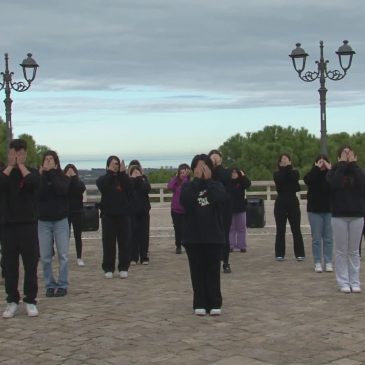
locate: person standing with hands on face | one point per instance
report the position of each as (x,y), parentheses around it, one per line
(319,213)
(75,199)
(223,175)
(237,190)
(117,196)
(286,207)
(177,210)
(53,223)
(18,186)
(141,215)
(203,235)
(347,182)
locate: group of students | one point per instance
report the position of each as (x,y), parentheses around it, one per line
(37,209)
(125,216)
(336,208)
(208,213)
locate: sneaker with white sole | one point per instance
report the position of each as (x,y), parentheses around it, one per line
(345,289)
(329,267)
(123,274)
(356,289)
(200,312)
(80,262)
(32,310)
(215,312)
(108,275)
(318,267)
(10,310)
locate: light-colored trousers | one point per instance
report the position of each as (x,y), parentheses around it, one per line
(347,233)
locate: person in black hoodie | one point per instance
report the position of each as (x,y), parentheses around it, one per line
(141,216)
(18,187)
(204,235)
(319,213)
(53,225)
(286,207)
(237,191)
(347,183)
(117,196)
(75,200)
(223,175)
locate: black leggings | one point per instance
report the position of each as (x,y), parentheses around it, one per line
(76,220)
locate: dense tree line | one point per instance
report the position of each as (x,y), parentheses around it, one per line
(257,152)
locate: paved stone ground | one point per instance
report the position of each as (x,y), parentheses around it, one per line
(273,312)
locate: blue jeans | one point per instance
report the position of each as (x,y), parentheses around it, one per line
(321,229)
(50,232)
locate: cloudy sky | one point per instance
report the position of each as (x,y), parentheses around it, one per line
(164,77)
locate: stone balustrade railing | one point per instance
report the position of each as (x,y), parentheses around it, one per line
(160,193)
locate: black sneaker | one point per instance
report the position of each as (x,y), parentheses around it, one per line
(50,292)
(227,268)
(178,250)
(60,292)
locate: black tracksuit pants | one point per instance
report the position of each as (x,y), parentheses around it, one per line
(116,230)
(20,239)
(140,237)
(178,222)
(204,263)
(75,219)
(227,221)
(287,208)
(1,248)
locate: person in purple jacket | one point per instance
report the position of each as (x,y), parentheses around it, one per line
(237,191)
(177,210)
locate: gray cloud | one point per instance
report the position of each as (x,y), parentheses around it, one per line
(205,46)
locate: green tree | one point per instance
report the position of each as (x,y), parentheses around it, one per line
(34,152)
(257,152)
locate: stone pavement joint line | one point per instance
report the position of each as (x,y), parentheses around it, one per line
(274,313)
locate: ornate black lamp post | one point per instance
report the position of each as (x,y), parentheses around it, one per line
(8,84)
(345,54)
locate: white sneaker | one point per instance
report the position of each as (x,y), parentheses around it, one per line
(329,267)
(215,312)
(123,274)
(318,267)
(32,310)
(356,289)
(10,310)
(80,262)
(108,275)
(345,289)
(200,312)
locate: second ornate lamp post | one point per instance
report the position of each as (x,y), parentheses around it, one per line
(8,84)
(345,54)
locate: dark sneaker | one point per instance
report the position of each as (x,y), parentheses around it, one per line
(60,292)
(50,292)
(227,268)
(243,250)
(178,250)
